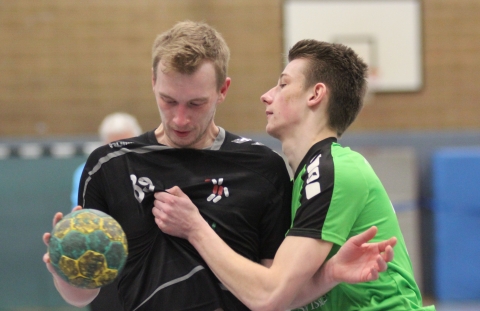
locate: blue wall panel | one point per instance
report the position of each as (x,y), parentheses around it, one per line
(456,210)
(31,191)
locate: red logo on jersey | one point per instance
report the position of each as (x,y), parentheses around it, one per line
(218,190)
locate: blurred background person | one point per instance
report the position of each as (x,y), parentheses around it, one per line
(115,126)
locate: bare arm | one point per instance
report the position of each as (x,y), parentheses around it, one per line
(287,283)
(356,261)
(258,287)
(75,296)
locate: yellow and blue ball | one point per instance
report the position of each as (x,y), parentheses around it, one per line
(88,248)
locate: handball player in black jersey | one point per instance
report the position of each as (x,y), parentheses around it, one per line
(241,187)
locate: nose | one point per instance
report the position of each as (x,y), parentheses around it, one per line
(181,117)
(267,97)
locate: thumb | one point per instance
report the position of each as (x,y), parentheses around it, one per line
(176,191)
(365,236)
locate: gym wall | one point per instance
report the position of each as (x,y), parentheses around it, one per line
(66,64)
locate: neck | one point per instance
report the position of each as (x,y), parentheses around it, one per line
(207,140)
(296,145)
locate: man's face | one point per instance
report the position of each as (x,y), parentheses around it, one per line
(284,102)
(187,105)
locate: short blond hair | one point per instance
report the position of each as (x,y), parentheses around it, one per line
(187,45)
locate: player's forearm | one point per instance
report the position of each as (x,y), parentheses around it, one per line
(252,283)
(75,296)
(320,284)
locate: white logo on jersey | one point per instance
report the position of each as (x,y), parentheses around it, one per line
(313,185)
(257,144)
(138,191)
(241,140)
(118,144)
(218,190)
(320,302)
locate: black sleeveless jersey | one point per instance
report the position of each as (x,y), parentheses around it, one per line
(241,187)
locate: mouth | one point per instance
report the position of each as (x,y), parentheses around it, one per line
(268,113)
(181,133)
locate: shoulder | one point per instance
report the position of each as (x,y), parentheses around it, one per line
(252,153)
(352,170)
(234,142)
(350,160)
(124,146)
(318,158)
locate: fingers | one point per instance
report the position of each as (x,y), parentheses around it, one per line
(159,214)
(46,238)
(76,208)
(365,236)
(46,258)
(168,193)
(158,221)
(158,195)
(373,274)
(157,210)
(176,191)
(163,195)
(388,254)
(58,216)
(382,246)
(392,241)
(375,270)
(381,264)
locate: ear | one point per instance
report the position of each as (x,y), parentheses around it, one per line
(224,89)
(153,79)
(317,95)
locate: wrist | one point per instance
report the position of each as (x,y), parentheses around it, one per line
(327,274)
(201,234)
(199,231)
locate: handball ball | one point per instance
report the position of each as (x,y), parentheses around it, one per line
(88,248)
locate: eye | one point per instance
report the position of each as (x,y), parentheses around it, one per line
(168,101)
(282,85)
(198,103)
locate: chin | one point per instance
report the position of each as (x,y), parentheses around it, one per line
(183,144)
(271,131)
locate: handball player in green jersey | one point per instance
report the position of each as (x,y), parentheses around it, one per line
(323,263)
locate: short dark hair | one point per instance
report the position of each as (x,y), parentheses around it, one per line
(342,71)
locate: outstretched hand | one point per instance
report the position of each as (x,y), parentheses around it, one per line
(360,261)
(75,296)
(46,238)
(175,213)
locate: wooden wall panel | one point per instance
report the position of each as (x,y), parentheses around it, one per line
(64,65)
(450,99)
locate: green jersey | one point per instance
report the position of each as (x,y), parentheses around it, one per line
(337,195)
